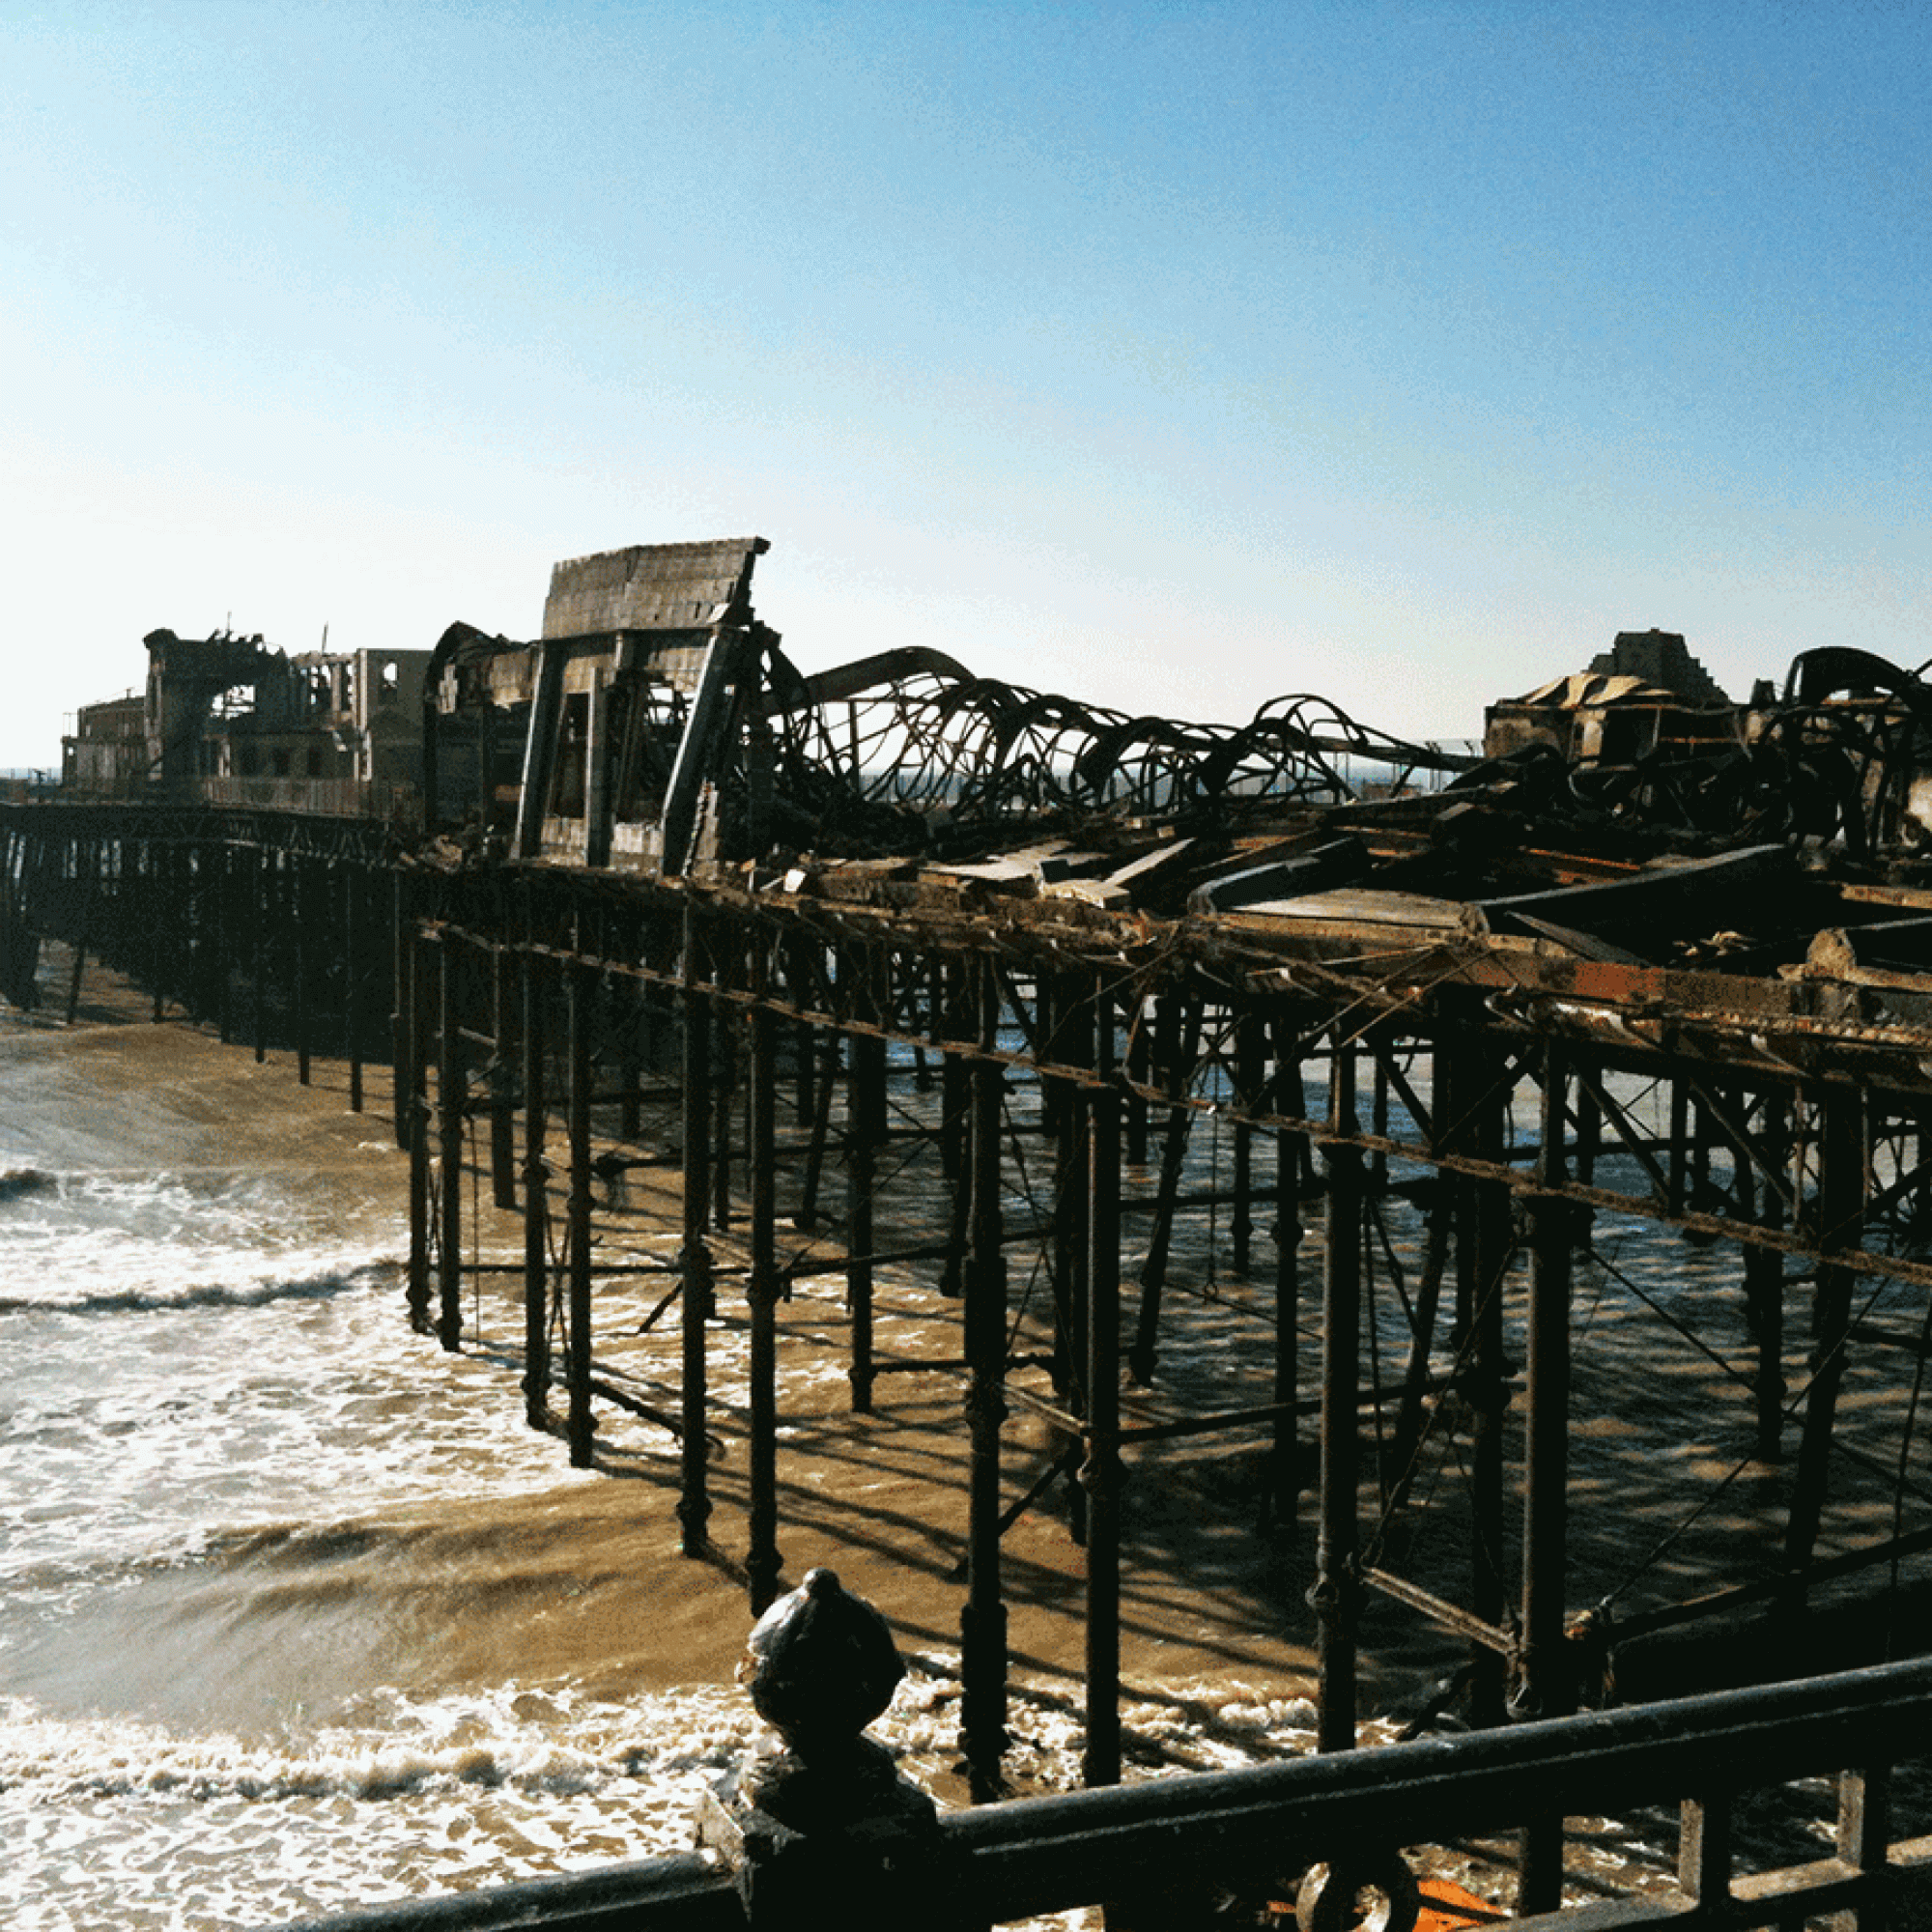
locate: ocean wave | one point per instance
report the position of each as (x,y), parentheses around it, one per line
(171,1296)
(507,1740)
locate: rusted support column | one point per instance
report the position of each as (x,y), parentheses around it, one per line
(1378,1126)
(88,858)
(1335,1593)
(1442,1213)
(1697,1196)
(1763,1281)
(693,1507)
(956,1145)
(1544,1689)
(581,991)
(355,881)
(15,980)
(412,1102)
(724,1021)
(1140,1062)
(1100,1473)
(449,1137)
(865,1117)
(805,1036)
(628,1004)
(1470,1119)
(1180,1042)
(402,1024)
(1469,1111)
(260,903)
(1488,1232)
(1045,1034)
(1679,1166)
(155,915)
(762,1562)
(502,1086)
(23,930)
(1248,1043)
(825,1088)
(1543,1692)
(956,1023)
(299,901)
(1838,1221)
(536,1204)
(1282,1502)
(1589,1131)
(983,1620)
(1072,1045)
(200,995)
(9,913)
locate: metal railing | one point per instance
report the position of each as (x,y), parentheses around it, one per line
(1259,1831)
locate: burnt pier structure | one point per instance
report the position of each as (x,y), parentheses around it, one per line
(1505,1110)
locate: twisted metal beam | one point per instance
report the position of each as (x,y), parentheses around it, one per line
(917,730)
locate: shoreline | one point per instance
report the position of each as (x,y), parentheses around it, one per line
(597,1595)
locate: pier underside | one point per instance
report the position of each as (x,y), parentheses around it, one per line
(1399,1238)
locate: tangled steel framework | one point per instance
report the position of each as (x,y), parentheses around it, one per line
(914,729)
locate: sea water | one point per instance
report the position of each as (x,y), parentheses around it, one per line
(211,1388)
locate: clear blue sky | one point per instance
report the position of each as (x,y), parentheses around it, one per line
(1175,355)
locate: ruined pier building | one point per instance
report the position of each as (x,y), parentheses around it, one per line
(1491,1098)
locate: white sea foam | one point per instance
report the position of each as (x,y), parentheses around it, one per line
(159,1831)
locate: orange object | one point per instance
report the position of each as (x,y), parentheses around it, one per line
(1447,1908)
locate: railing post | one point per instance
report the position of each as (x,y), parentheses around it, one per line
(824,1831)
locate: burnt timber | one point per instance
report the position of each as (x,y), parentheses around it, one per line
(1658,960)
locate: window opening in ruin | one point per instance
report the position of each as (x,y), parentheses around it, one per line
(647,724)
(566,798)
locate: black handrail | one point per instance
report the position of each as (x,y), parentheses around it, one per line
(1011,1860)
